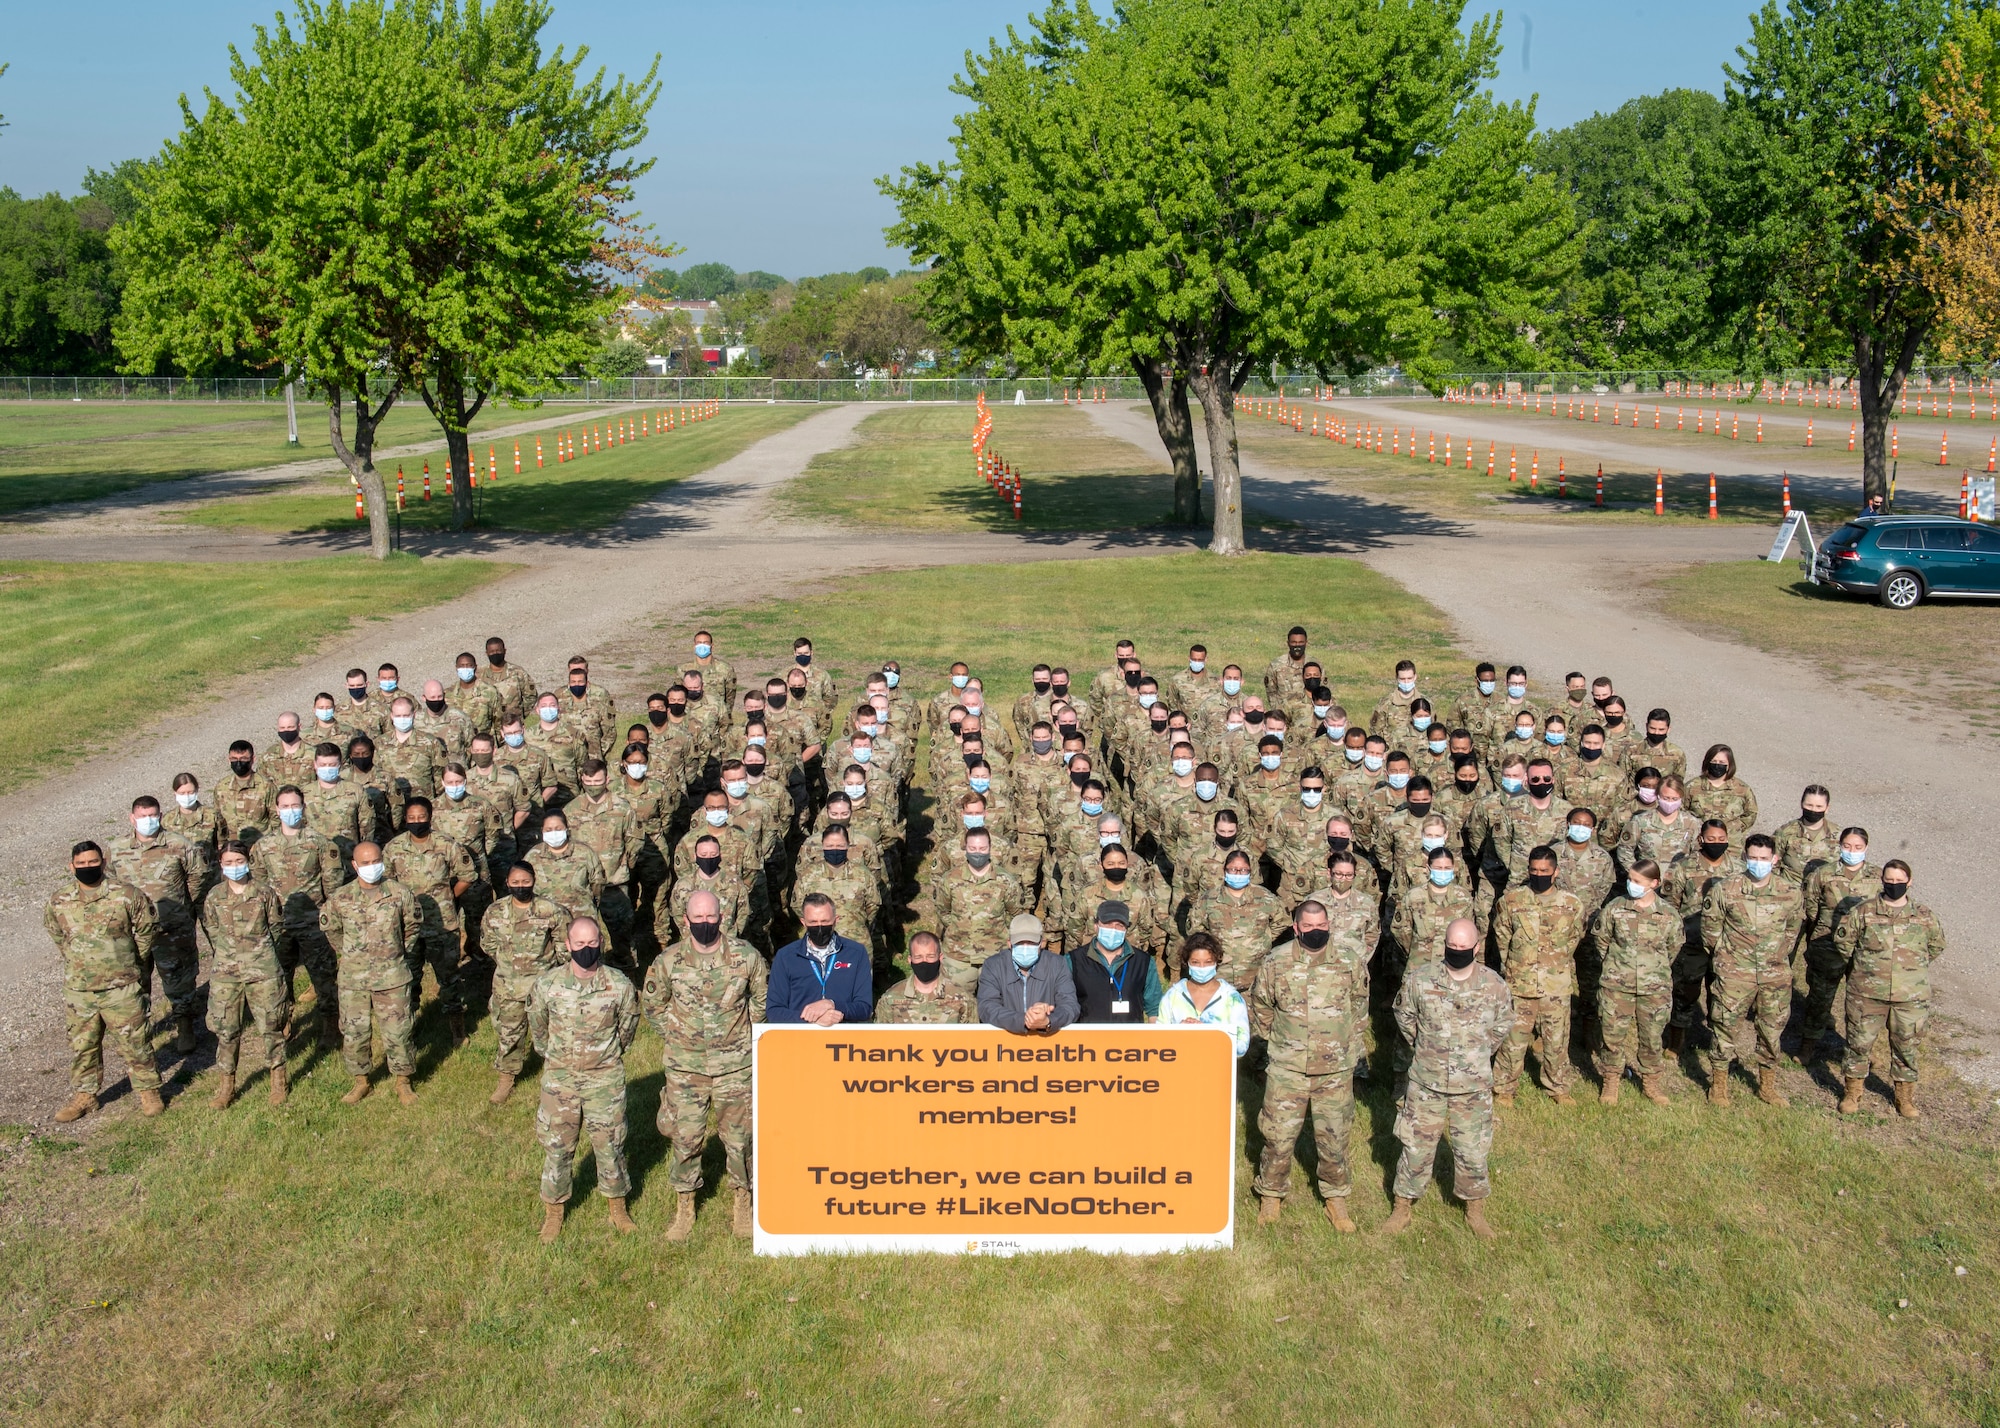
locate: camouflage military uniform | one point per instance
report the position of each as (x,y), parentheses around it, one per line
(582,1026)
(104,935)
(376,932)
(1147,897)
(1687,882)
(570,877)
(284,763)
(670,915)
(513,688)
(1648,835)
(246,940)
(1731,801)
(1889,951)
(1598,785)
(1305,1004)
(339,812)
(524,940)
(245,806)
(973,911)
(430,867)
(1537,936)
(1666,756)
(1832,890)
(169,871)
(1246,921)
(1423,916)
(1523,828)
(1635,989)
(904,1005)
(607,828)
(452,730)
(1748,931)
(1586,870)
(565,744)
(302,868)
(201,828)
(479,702)
(1803,845)
(1454,1028)
(413,763)
(470,823)
(704,1002)
(856,898)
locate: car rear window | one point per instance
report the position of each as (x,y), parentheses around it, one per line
(1899,538)
(1849,534)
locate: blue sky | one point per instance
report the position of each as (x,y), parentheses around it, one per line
(776,117)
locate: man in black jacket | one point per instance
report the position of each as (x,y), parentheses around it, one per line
(1113,981)
(1031,990)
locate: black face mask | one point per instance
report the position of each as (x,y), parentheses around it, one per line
(1061,691)
(1253,717)
(1614,721)
(498,661)
(1225,840)
(1458,958)
(1467,785)
(1296,651)
(1066,732)
(586,957)
(1590,755)
(1079,779)
(1314,939)
(1812,815)
(417,830)
(978,860)
(522,895)
(1159,726)
(694,696)
(1131,679)
(359,696)
(90,877)
(926,972)
(436,706)
(1541,790)
(798,690)
(240,767)
(1420,811)
(802,660)
(835,857)
(1892,891)
(1655,739)
(1718,769)
(1600,703)
(1339,845)
(753,772)
(1115,876)
(971,759)
(775,701)
(820,937)
(677,711)
(656,717)
(1041,686)
(709,866)
(288,736)
(1541,882)
(705,933)
(579,690)
(1714,851)
(362,762)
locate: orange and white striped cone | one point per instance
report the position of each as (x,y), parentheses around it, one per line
(1492,455)
(359,513)
(399,486)
(1659,492)
(1944,447)
(1788,493)
(1711,496)
(427,480)
(1809,433)
(1680,418)
(1992,455)
(1964,494)
(1513,465)
(1760,429)
(1735,425)
(517,458)
(1895,442)
(492,467)
(1850,436)
(1434,448)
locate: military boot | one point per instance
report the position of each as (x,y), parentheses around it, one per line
(1399,1218)
(1906,1100)
(552,1218)
(1503,1098)
(77,1107)
(358,1092)
(405,1092)
(183,1032)
(742,1222)
(1849,1103)
(1767,1087)
(1718,1086)
(1269,1208)
(683,1224)
(1337,1216)
(1651,1086)
(1607,1094)
(615,1209)
(1562,1097)
(1475,1219)
(150,1104)
(225,1092)
(281,1089)
(502,1089)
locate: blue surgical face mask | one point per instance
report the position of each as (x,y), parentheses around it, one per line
(556,837)
(1197,665)
(1320,711)
(1204,789)
(291,817)
(892,678)
(737,787)
(327,775)
(1852,858)
(973,820)
(1311,797)
(702,649)
(1420,722)
(466,676)
(403,722)
(1183,767)
(1107,840)
(325,716)
(1203,973)
(1517,691)
(1759,868)
(236,872)
(514,741)
(1147,701)
(1486,686)
(148,825)
(1405,686)
(1026,954)
(1111,938)
(1441,877)
(959,681)
(855,791)
(1438,746)
(715,817)
(1556,736)
(1510,784)
(454,791)
(1232,687)
(1634,889)
(1432,843)
(371,872)
(1237,880)
(980,785)
(1354,756)
(388,686)
(1092,808)
(1372,762)
(1524,731)
(1578,833)
(1399,780)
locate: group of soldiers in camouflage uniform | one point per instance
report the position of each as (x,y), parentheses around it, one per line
(1486,859)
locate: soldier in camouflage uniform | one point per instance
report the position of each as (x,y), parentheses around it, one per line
(1719,793)
(245,923)
(1536,929)
(857,899)
(1808,840)
(923,998)
(973,909)
(1689,878)
(1303,1003)
(1243,916)
(438,873)
(196,822)
(289,760)
(709,874)
(1121,878)
(336,808)
(376,931)
(590,709)
(513,689)
(1584,868)
(563,741)
(1455,1013)
(604,824)
(566,873)
(242,799)
(1535,821)
(470,822)
(704,995)
(583,1016)
(436,719)
(301,867)
(104,931)
(523,934)
(1638,935)
(1749,924)
(1889,943)
(1430,908)
(168,870)
(477,700)
(1832,890)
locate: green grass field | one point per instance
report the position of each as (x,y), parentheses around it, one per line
(585,494)
(913,468)
(97,649)
(1937,660)
(59,451)
(1628,490)
(322,1264)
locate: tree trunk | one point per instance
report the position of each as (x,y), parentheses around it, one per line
(445,396)
(360,461)
(1880,371)
(458,450)
(1218,410)
(1166,389)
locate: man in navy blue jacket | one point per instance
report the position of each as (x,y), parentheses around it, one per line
(823,978)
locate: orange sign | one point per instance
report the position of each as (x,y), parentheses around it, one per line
(966,1139)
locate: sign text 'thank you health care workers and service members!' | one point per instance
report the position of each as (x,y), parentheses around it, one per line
(969,1139)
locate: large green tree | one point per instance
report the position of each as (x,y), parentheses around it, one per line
(1200,190)
(405,196)
(58,285)
(1827,127)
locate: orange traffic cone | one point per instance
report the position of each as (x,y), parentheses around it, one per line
(1513,464)
(399,485)
(1992,454)
(1808,433)
(1895,442)
(1788,493)
(359,513)
(1944,446)
(1711,496)
(427,480)
(1964,495)
(1659,492)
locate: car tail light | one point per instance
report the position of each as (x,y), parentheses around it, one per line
(1849,553)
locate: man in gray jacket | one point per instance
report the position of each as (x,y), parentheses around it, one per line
(1031,990)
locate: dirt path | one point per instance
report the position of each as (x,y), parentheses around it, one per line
(1574,597)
